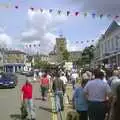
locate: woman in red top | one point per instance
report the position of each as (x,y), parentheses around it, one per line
(26,98)
(44,83)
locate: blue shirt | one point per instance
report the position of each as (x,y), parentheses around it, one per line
(80,101)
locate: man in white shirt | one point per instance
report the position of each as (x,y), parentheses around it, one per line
(74,77)
(63,78)
(97,91)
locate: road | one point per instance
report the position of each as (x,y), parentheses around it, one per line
(10,103)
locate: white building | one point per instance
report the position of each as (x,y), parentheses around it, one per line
(108,46)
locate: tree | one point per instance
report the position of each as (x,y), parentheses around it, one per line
(65,55)
(88,54)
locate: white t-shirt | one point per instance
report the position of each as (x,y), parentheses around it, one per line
(64,79)
(74,76)
(97,90)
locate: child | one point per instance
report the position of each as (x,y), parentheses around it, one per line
(80,101)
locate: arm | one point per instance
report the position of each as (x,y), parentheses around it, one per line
(86,91)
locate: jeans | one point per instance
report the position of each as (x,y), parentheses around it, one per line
(30,108)
(59,101)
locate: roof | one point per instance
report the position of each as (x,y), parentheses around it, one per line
(113,26)
(15,52)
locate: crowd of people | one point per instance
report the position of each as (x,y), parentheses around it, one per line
(96,95)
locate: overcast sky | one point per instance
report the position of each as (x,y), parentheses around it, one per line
(23,27)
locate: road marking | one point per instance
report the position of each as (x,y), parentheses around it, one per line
(53,115)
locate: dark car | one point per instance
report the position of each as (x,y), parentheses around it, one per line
(30,74)
(7,82)
(13,77)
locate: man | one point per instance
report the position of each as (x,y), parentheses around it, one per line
(74,77)
(26,98)
(115,81)
(97,91)
(59,90)
(64,79)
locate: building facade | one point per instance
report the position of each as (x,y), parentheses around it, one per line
(108,47)
(14,61)
(60,48)
(1,60)
(74,56)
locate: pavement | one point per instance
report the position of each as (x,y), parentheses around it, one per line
(10,103)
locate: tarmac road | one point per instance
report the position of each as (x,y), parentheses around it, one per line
(10,103)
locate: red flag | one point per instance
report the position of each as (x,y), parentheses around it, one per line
(76,13)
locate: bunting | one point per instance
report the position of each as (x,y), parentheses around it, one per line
(60,11)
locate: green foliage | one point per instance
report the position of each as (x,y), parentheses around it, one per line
(65,55)
(41,64)
(87,56)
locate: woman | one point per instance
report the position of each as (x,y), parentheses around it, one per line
(115,107)
(44,83)
(80,102)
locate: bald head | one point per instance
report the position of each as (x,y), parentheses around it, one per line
(115,73)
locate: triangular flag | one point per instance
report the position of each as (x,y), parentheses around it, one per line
(101,15)
(59,12)
(68,13)
(85,14)
(93,15)
(116,17)
(50,10)
(76,13)
(16,7)
(32,8)
(41,10)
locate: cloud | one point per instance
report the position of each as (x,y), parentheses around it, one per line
(40,30)
(5,40)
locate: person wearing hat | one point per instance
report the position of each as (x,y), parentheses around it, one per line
(26,99)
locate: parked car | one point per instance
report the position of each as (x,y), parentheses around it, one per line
(13,77)
(24,73)
(30,74)
(7,81)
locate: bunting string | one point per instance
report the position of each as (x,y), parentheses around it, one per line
(60,12)
(76,42)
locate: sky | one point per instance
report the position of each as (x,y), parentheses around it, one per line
(21,27)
